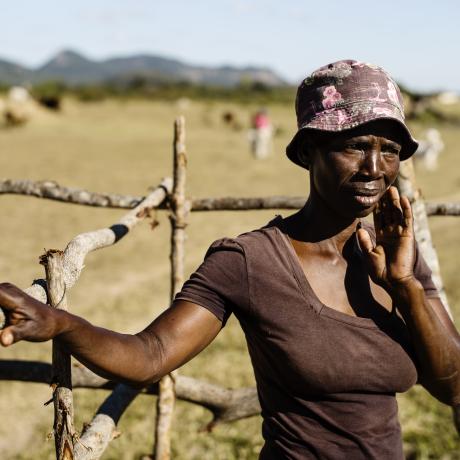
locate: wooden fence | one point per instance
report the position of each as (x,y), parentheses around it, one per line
(63,269)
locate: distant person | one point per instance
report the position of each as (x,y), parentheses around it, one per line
(339,314)
(18,106)
(429,150)
(260,135)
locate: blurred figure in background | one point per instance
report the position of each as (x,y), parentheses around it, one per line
(17,108)
(429,149)
(260,136)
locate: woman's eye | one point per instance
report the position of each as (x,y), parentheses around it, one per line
(355,146)
(390,150)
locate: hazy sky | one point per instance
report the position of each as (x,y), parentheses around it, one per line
(416,41)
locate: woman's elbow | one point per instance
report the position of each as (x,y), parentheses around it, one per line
(152,367)
(445,390)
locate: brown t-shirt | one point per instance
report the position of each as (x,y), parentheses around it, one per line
(326,380)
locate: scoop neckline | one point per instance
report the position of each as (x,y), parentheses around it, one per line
(310,295)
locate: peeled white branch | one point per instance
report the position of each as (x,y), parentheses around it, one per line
(63,427)
(81,245)
(442,209)
(407,186)
(97,435)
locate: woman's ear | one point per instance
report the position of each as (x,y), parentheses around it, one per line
(306,150)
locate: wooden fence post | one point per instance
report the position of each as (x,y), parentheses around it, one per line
(64,432)
(180,208)
(407,186)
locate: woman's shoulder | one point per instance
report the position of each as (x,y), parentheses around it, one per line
(250,241)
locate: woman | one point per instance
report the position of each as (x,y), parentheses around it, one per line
(338,315)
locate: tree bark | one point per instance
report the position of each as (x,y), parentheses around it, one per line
(178,218)
(53,191)
(63,427)
(442,209)
(407,186)
(97,434)
(246,204)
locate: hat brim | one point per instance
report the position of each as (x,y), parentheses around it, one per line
(408,148)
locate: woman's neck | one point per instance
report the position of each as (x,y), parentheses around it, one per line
(318,223)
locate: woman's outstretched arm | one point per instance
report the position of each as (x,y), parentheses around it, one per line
(390,262)
(172,339)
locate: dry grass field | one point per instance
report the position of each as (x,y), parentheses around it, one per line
(125,147)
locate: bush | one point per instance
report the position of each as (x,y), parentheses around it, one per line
(49,94)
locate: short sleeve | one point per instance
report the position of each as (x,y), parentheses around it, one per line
(220,284)
(423,273)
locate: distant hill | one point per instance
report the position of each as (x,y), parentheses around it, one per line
(11,72)
(73,68)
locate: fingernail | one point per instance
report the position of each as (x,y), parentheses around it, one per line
(7,339)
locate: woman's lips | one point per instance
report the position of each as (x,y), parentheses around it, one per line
(366,196)
(367,200)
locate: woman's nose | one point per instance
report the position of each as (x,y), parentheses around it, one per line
(371,163)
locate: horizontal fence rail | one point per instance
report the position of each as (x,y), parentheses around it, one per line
(225,404)
(53,191)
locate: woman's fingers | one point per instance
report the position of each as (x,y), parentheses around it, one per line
(364,240)
(6,337)
(393,212)
(389,214)
(395,206)
(26,318)
(10,335)
(378,217)
(382,213)
(374,256)
(408,220)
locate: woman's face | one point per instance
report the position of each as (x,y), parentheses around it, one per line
(351,171)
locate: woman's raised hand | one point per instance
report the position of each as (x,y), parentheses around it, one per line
(391,260)
(26,318)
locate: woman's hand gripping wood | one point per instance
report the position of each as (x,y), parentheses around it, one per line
(27,318)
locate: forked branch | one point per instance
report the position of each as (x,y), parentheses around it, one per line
(77,250)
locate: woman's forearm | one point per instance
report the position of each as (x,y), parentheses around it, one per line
(437,347)
(178,334)
(134,359)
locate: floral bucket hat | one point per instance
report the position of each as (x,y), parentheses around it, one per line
(344,95)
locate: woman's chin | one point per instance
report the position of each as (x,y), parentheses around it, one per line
(364,212)
(356,209)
